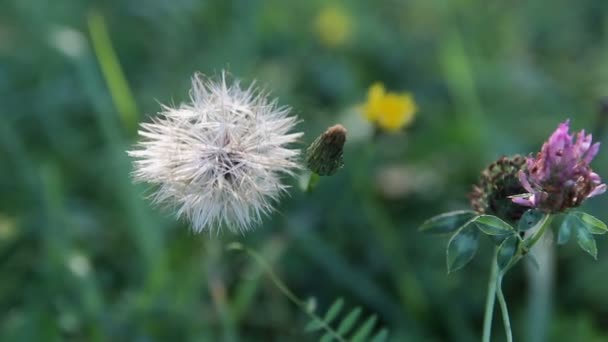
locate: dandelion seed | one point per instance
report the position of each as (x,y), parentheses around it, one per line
(560,176)
(220,158)
(389,111)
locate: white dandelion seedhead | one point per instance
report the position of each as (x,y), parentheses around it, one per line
(218,159)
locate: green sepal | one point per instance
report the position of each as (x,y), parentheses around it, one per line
(529,219)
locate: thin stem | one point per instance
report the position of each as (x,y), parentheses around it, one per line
(235,246)
(544,223)
(503,308)
(490,300)
(529,243)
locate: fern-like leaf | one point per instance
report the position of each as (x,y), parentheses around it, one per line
(348,322)
(381,336)
(340,329)
(363,332)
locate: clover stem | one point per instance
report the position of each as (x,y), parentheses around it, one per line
(503,308)
(543,224)
(490,300)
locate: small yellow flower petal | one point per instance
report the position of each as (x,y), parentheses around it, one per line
(376,92)
(389,111)
(373,107)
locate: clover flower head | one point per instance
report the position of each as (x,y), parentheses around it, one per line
(389,111)
(218,159)
(499,181)
(560,176)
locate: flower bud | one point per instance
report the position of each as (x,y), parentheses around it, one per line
(496,184)
(324,155)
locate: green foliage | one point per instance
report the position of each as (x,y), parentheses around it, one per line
(339,329)
(586,241)
(507,251)
(584,227)
(593,225)
(463,244)
(569,223)
(447,222)
(86,257)
(529,219)
(462,247)
(492,225)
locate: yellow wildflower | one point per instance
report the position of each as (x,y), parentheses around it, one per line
(388,111)
(333,25)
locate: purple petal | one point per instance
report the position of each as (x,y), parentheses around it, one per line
(530,162)
(592,152)
(595,178)
(585,140)
(523,179)
(526,202)
(560,139)
(600,189)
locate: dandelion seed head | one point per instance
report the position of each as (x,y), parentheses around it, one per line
(219,159)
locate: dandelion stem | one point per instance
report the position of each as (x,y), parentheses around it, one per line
(490,300)
(235,246)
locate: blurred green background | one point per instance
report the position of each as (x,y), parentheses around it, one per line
(85,257)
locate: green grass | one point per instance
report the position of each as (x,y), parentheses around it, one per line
(490,78)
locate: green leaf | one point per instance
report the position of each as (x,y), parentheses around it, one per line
(381,336)
(462,247)
(529,219)
(492,225)
(327,337)
(594,225)
(361,334)
(314,325)
(348,322)
(570,222)
(333,311)
(448,222)
(586,241)
(507,251)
